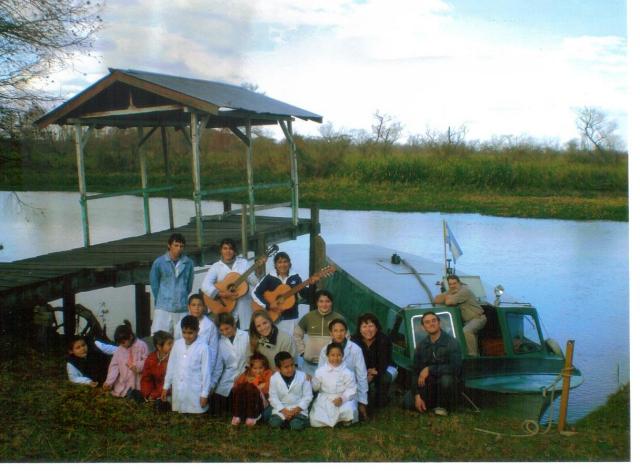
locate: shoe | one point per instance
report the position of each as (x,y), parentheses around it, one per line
(235,421)
(347,423)
(440,411)
(250,422)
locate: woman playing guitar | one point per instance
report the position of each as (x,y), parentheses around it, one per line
(281,275)
(230,263)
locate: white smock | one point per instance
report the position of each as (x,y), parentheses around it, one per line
(332,382)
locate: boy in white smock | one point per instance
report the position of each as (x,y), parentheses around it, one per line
(289,395)
(189,371)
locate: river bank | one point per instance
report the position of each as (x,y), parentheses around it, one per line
(45,419)
(350,194)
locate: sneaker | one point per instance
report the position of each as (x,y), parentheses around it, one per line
(440,411)
(251,422)
(235,421)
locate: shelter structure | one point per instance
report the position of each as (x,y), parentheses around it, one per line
(151,101)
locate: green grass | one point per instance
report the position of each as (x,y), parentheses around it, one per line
(44,418)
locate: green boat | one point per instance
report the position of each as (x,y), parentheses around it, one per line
(515,359)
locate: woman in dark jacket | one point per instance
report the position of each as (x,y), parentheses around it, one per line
(376,348)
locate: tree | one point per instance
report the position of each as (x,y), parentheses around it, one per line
(37,37)
(597,131)
(386,130)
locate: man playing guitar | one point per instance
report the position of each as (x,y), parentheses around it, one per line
(282,275)
(227,264)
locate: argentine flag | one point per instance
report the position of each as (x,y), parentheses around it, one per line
(451,241)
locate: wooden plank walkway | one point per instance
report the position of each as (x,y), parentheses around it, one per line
(36,280)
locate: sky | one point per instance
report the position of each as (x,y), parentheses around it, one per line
(517,68)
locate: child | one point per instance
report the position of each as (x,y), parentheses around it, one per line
(233,351)
(353,359)
(207,333)
(84,366)
(155,368)
(337,385)
(125,369)
(189,371)
(250,391)
(289,395)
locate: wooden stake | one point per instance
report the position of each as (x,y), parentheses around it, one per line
(566,383)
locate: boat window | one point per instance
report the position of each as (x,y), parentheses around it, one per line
(524,333)
(397,336)
(446,324)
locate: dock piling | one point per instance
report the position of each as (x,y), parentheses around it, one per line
(143,311)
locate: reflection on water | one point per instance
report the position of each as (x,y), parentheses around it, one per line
(575,273)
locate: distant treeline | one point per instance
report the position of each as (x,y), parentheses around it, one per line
(48,158)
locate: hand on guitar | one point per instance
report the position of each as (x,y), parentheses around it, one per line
(228,294)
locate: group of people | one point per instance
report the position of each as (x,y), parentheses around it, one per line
(288,373)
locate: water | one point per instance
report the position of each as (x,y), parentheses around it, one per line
(575,273)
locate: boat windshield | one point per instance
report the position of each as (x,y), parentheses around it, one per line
(524,333)
(446,324)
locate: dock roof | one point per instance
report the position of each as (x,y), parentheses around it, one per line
(130,98)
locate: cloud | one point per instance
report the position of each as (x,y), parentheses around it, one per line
(345,59)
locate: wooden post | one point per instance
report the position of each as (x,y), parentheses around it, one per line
(313,232)
(143,311)
(295,196)
(81,139)
(252,209)
(195,148)
(144,180)
(566,383)
(167,176)
(243,231)
(261,248)
(226,206)
(68,309)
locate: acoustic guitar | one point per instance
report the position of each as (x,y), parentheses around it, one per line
(234,283)
(284,297)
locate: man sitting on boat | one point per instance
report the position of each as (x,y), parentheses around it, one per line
(473,316)
(436,369)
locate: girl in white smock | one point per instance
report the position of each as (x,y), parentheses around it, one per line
(337,391)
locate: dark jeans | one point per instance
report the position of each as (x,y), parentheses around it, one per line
(378,395)
(437,392)
(299,422)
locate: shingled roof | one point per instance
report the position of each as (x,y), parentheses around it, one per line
(127,98)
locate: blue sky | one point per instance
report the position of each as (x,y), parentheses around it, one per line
(497,67)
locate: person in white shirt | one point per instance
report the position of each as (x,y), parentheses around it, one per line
(227,264)
(289,395)
(233,354)
(189,371)
(337,391)
(353,360)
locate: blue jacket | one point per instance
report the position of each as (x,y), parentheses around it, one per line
(171,287)
(271,282)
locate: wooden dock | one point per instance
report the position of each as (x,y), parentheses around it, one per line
(29,282)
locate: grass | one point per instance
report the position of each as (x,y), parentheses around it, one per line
(519,181)
(45,419)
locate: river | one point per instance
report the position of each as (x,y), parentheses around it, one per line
(574,272)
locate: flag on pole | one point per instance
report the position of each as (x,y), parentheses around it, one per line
(451,241)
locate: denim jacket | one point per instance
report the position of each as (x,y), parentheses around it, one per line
(171,285)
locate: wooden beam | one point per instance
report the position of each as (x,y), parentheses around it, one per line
(167,176)
(252,203)
(242,136)
(133,111)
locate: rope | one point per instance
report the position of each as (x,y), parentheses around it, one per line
(532,427)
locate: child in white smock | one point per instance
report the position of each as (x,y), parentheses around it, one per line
(337,391)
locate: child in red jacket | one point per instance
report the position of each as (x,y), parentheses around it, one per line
(155,367)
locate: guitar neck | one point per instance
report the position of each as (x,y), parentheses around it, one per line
(296,289)
(245,275)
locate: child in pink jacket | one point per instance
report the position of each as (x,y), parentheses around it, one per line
(125,369)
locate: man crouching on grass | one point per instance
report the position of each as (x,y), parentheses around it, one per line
(436,369)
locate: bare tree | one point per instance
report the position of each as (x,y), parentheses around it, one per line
(386,130)
(37,37)
(597,131)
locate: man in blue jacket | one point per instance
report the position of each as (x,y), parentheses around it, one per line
(171,279)
(436,369)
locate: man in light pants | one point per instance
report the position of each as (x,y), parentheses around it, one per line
(171,279)
(473,316)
